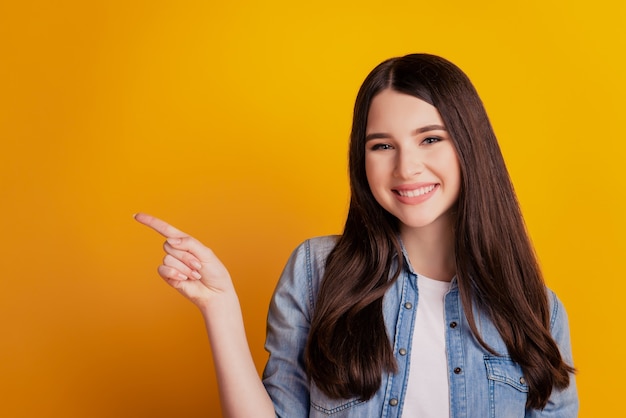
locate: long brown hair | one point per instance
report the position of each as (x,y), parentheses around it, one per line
(348,348)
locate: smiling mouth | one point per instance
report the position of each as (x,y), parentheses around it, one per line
(415,193)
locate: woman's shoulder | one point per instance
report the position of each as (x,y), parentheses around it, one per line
(308,261)
(309,257)
(315,250)
(558,314)
(322,245)
(301,276)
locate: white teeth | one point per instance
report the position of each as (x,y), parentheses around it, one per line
(416,192)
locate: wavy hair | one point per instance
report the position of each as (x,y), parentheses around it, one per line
(348,348)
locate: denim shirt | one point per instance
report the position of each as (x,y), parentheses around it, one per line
(482,385)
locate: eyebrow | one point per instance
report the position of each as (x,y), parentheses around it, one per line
(418,131)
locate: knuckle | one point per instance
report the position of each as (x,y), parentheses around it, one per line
(167,273)
(172,262)
(162,270)
(188,259)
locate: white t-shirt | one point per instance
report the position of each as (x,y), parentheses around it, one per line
(428,391)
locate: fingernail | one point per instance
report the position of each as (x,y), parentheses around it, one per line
(174,241)
(196,275)
(182,276)
(196,265)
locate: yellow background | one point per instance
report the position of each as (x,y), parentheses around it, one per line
(231,122)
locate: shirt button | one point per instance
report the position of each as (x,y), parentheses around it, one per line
(522,380)
(457,370)
(402,351)
(408,305)
(393,402)
(453,324)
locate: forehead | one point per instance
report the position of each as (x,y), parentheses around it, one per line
(393,111)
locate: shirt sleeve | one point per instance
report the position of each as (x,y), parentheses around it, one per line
(288,324)
(562,403)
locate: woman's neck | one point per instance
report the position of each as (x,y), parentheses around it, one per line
(431,250)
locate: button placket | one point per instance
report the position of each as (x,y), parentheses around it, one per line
(454,344)
(406,313)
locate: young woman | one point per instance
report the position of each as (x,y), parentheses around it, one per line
(430,304)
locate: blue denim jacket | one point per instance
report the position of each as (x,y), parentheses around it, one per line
(481,385)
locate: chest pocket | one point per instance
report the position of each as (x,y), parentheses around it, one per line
(323,406)
(508,389)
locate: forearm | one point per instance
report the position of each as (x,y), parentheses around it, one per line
(242,393)
(195,271)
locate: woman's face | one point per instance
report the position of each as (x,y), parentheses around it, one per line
(410,161)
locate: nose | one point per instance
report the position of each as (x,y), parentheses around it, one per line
(408,164)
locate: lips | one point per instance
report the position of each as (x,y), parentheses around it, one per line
(415,192)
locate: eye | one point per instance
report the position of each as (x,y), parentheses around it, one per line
(380,146)
(431,140)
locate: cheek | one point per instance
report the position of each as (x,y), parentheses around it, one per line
(455,177)
(370,171)
(449,165)
(375,179)
(457,170)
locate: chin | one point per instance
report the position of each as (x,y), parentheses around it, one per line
(417,223)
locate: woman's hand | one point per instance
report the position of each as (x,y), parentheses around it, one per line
(189,266)
(193,270)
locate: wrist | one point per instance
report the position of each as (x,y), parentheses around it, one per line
(218,304)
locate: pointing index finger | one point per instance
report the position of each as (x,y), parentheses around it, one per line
(160,226)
